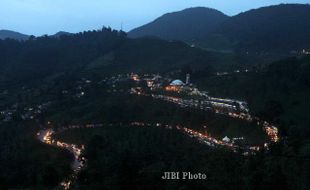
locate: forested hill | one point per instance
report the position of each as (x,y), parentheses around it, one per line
(101,52)
(187,25)
(279,29)
(278,92)
(45,56)
(283,27)
(61,33)
(12,35)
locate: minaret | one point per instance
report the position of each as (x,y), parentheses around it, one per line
(188,79)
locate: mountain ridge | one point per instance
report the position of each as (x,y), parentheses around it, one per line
(279,28)
(5,34)
(175,23)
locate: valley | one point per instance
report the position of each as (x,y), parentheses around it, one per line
(225,107)
(193,92)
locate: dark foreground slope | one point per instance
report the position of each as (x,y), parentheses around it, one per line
(137,157)
(26,163)
(120,157)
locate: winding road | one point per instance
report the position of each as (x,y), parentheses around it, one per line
(46,136)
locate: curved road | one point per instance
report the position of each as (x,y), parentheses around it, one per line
(46,135)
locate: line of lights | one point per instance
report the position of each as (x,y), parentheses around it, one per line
(46,136)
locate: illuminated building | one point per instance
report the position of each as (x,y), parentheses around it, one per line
(178,85)
(226,139)
(175,85)
(135,77)
(149,83)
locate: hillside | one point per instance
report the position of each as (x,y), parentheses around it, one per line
(12,35)
(281,28)
(279,93)
(94,52)
(61,33)
(187,25)
(79,79)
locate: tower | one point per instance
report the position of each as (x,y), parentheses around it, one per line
(188,79)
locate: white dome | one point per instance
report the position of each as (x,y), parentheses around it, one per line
(226,139)
(177,83)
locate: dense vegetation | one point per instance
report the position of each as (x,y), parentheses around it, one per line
(98,106)
(188,25)
(94,52)
(39,58)
(27,163)
(265,31)
(280,93)
(279,29)
(12,35)
(120,157)
(49,69)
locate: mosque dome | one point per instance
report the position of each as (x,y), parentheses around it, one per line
(176,83)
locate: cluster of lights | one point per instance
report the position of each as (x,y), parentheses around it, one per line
(135,77)
(45,136)
(243,116)
(270,130)
(272,133)
(173,88)
(205,138)
(218,106)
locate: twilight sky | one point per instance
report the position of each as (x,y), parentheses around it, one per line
(50,16)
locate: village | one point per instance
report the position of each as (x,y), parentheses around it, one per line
(175,91)
(184,94)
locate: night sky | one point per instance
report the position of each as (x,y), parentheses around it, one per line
(50,16)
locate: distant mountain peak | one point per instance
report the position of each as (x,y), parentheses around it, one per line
(61,33)
(4,34)
(278,28)
(182,25)
(284,27)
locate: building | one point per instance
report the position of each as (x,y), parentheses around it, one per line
(226,139)
(178,85)
(175,85)
(135,77)
(188,79)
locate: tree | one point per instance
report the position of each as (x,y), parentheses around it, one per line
(50,177)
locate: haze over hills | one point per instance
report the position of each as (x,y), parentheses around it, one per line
(12,35)
(189,24)
(281,28)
